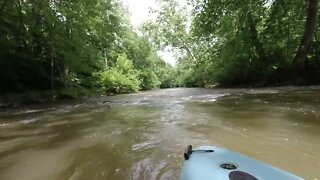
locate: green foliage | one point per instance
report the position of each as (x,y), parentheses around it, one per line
(168,77)
(67,43)
(75,92)
(252,42)
(66,37)
(122,78)
(89,44)
(170,30)
(149,79)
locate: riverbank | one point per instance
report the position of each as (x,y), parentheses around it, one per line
(11,100)
(30,98)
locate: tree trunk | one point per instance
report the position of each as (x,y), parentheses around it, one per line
(254,36)
(190,51)
(186,47)
(299,61)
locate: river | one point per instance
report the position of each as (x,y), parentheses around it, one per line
(143,136)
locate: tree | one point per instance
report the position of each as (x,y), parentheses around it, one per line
(252,42)
(171,28)
(301,56)
(67,43)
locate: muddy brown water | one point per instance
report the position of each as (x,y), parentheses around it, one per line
(142,136)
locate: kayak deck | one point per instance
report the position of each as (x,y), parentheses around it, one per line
(210,163)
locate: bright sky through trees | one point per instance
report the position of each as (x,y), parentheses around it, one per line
(139,13)
(139,10)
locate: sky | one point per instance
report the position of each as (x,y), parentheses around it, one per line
(139,10)
(139,13)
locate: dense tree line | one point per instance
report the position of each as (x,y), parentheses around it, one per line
(69,46)
(251,42)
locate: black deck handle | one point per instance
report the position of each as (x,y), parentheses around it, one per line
(187,152)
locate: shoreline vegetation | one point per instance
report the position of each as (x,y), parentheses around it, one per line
(55,50)
(30,98)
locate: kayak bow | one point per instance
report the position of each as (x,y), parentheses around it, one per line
(212,163)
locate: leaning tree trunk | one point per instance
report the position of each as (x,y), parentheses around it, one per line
(299,60)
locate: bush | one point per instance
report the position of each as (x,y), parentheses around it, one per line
(114,81)
(122,78)
(149,79)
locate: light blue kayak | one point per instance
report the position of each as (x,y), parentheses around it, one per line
(212,163)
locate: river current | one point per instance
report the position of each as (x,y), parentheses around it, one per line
(143,136)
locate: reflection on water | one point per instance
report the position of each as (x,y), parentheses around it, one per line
(142,136)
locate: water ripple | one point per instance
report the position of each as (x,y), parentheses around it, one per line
(152,142)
